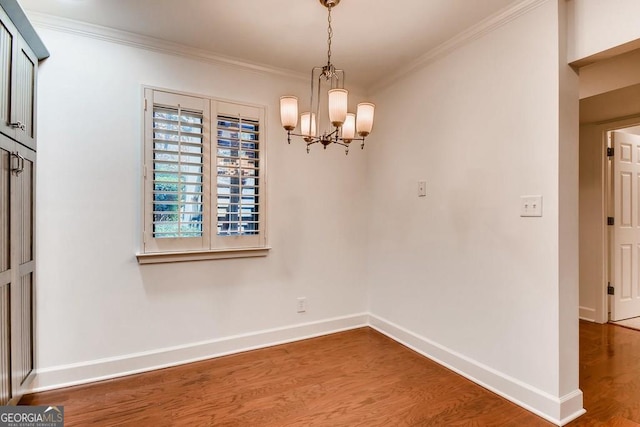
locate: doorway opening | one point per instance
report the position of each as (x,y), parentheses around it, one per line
(623,225)
(597,203)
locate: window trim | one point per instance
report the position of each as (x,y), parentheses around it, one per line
(169,257)
(214,246)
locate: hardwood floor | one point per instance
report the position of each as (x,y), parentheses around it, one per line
(353,378)
(609,375)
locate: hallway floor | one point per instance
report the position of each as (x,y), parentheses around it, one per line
(633,323)
(609,375)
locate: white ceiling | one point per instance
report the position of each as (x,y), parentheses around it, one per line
(372,38)
(635,130)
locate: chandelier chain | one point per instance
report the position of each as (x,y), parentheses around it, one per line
(329,37)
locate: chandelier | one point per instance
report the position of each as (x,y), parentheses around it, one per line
(344,125)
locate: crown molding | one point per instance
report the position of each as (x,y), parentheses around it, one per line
(482,28)
(98,32)
(126,38)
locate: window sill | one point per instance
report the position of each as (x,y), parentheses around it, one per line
(165,257)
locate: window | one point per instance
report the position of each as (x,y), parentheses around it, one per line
(204,183)
(238,182)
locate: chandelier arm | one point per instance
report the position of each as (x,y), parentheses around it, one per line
(332,134)
(317,139)
(336,140)
(304,136)
(350,139)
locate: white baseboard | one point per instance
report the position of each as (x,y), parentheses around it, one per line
(587,313)
(559,411)
(103,369)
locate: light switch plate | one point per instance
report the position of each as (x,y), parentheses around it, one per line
(530,205)
(422,188)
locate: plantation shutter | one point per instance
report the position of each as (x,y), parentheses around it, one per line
(176,173)
(238,169)
(204,178)
(239,176)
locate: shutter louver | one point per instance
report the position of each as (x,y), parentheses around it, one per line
(238,167)
(178,167)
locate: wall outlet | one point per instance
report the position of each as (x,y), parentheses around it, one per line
(530,205)
(302,304)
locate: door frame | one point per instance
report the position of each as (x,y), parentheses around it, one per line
(603,303)
(612,204)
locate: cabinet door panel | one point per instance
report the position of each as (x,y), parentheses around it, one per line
(5,347)
(5,179)
(18,68)
(5,270)
(22,289)
(7,70)
(25,92)
(24,202)
(22,329)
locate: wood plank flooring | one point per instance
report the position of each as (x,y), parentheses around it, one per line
(609,375)
(354,378)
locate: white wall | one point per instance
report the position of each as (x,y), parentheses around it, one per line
(466,278)
(458,275)
(601,29)
(95,303)
(593,214)
(610,74)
